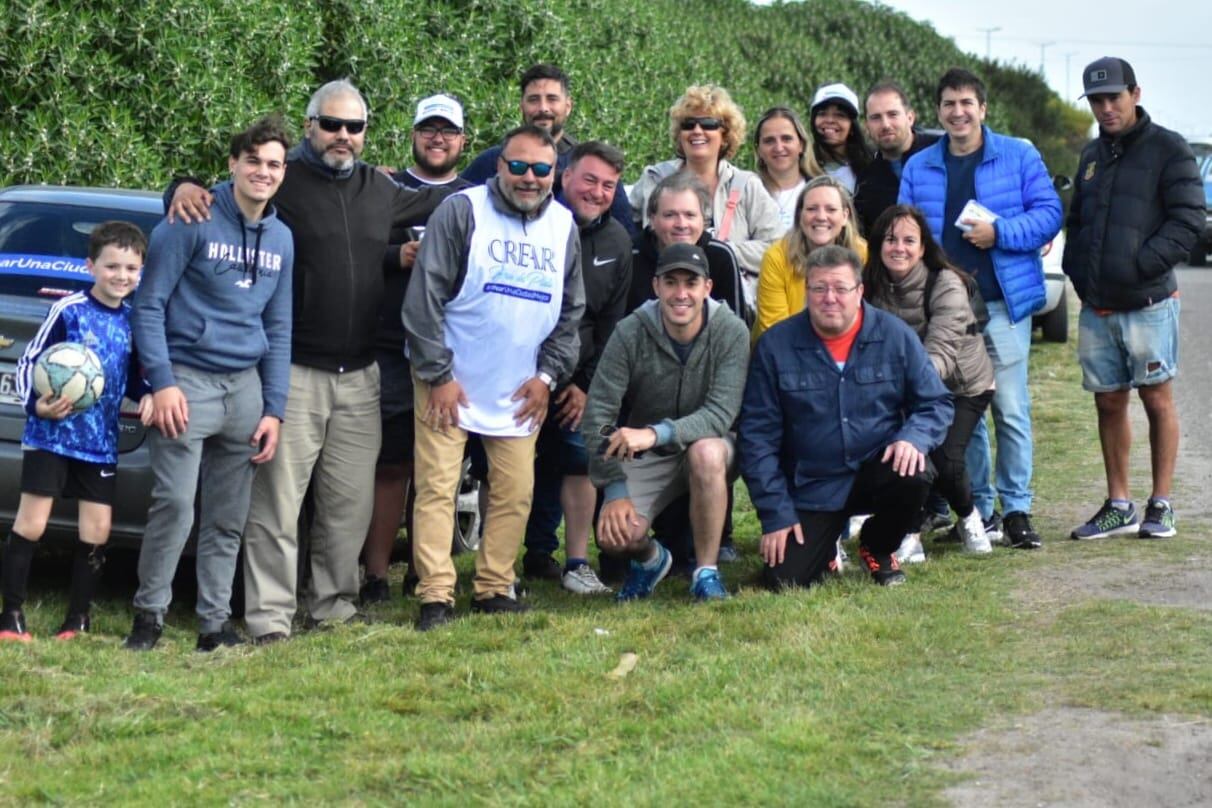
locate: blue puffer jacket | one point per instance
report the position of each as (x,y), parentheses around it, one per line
(1013,182)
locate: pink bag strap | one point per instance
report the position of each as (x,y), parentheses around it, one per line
(734,197)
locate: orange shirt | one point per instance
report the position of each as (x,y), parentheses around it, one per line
(839,346)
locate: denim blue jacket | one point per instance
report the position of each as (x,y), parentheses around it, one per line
(806,426)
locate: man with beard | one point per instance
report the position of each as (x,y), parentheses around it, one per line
(340,212)
(890,125)
(437,145)
(491,316)
(546,103)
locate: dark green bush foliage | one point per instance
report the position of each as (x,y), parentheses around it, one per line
(129,94)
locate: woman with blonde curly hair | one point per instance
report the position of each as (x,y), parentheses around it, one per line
(785,158)
(707,128)
(824,214)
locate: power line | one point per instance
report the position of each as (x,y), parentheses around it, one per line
(1115,43)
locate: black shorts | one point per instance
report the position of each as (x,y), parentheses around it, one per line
(399,430)
(47,474)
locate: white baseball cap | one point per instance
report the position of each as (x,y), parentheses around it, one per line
(439,106)
(836,93)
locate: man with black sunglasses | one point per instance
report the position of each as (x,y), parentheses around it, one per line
(546,102)
(491,316)
(340,212)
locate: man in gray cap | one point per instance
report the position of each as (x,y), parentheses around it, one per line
(1137,210)
(679,362)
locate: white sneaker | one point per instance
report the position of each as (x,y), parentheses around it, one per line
(584,581)
(911,550)
(972,532)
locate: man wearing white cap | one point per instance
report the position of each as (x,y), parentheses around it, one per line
(437,145)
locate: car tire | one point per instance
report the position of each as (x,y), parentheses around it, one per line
(468,518)
(1055,324)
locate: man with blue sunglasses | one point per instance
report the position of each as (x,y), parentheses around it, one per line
(491,316)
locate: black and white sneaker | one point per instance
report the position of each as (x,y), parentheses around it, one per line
(1019,532)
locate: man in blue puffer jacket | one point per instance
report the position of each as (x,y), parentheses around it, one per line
(1008,177)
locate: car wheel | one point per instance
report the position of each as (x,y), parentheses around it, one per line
(1055,324)
(467,512)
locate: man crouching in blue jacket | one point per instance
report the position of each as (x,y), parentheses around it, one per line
(841,408)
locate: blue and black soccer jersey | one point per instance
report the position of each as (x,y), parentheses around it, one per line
(92,435)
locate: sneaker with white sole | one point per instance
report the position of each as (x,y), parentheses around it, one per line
(1159,520)
(584,581)
(972,533)
(911,550)
(1109,521)
(642,578)
(708,586)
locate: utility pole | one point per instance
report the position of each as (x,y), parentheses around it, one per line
(1068,77)
(989,32)
(1043,46)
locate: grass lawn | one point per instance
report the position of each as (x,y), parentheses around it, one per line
(848,694)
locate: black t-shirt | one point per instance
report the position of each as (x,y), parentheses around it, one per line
(961,186)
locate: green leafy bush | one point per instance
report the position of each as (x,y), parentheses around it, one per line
(131,94)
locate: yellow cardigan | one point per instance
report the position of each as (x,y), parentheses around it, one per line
(780,292)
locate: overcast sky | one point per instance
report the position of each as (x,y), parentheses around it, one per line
(1169,45)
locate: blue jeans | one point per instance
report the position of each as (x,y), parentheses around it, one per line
(1009,346)
(558,452)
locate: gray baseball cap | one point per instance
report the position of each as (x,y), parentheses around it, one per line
(1109,74)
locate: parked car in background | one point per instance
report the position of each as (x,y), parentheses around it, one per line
(1053,318)
(1199,253)
(44,234)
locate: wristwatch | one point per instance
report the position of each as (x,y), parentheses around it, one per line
(546,379)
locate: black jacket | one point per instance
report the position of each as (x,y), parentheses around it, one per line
(877,187)
(606,275)
(721,262)
(1137,210)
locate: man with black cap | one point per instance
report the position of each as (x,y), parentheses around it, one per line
(1137,210)
(679,363)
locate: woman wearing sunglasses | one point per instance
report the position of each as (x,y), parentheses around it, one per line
(707,128)
(824,214)
(908,275)
(785,160)
(837,136)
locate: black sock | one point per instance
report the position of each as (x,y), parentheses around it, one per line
(87,565)
(18,554)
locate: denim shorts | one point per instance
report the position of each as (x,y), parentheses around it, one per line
(1126,349)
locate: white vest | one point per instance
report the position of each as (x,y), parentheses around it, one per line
(508,305)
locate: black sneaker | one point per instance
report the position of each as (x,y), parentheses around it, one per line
(145,632)
(226,636)
(374,590)
(271,637)
(541,567)
(12,627)
(1019,532)
(883,567)
(73,625)
(934,522)
(434,615)
(356,619)
(411,581)
(499,604)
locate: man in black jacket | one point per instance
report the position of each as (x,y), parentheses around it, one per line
(1138,208)
(890,124)
(340,212)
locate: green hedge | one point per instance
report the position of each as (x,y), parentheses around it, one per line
(129,94)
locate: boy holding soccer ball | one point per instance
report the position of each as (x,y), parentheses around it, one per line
(71,452)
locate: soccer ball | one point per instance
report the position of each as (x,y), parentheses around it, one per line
(70,370)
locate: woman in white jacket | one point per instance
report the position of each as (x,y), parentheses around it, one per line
(707,128)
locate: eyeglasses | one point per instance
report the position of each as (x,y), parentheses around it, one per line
(433,131)
(519,168)
(706,124)
(838,291)
(330,124)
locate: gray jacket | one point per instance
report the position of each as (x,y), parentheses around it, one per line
(438,275)
(955,350)
(684,403)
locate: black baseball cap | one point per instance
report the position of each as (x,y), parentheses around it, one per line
(1109,74)
(689,257)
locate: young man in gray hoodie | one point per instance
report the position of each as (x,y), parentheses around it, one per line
(212,321)
(678,364)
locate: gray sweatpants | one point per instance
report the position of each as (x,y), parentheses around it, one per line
(224,410)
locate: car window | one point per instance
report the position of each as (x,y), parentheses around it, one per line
(43,246)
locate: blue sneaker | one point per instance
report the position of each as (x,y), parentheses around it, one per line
(640,580)
(708,586)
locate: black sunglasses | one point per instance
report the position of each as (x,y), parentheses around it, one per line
(519,168)
(331,124)
(706,124)
(433,131)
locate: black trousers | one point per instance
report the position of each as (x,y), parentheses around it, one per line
(895,505)
(953,481)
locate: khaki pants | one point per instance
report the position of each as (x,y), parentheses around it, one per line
(438,461)
(330,440)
